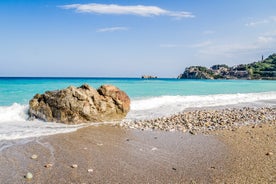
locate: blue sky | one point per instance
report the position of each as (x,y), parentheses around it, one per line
(130,38)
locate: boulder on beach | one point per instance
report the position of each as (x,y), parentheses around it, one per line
(75,105)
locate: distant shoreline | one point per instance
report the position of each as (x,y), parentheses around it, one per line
(134,78)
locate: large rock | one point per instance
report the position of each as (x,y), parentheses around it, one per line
(79,105)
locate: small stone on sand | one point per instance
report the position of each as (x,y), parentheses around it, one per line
(269,153)
(29,176)
(99,144)
(74,166)
(154,148)
(34,157)
(90,170)
(48,165)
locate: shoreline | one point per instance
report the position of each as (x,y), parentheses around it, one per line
(114,154)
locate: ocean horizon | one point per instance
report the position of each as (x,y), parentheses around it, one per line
(150,98)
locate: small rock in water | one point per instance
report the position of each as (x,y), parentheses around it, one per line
(34,157)
(29,176)
(48,165)
(90,170)
(74,166)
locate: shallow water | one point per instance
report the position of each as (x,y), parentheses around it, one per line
(149,99)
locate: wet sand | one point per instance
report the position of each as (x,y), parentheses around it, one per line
(253,153)
(110,154)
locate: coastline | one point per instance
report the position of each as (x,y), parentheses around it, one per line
(112,154)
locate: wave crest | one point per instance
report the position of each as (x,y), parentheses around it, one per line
(167,105)
(15,112)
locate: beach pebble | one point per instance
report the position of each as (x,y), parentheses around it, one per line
(192,132)
(204,120)
(34,157)
(154,148)
(29,176)
(269,153)
(74,166)
(99,144)
(48,165)
(90,170)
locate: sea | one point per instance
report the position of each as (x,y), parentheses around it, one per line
(150,98)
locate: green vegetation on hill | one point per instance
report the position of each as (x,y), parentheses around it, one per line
(265,69)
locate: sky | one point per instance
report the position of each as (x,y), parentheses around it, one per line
(122,38)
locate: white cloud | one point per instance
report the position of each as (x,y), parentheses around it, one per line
(255,23)
(139,10)
(201,44)
(233,49)
(265,39)
(261,22)
(270,33)
(112,29)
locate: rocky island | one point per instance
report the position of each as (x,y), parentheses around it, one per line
(148,77)
(265,69)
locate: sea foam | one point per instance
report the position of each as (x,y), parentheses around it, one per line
(167,105)
(15,112)
(14,123)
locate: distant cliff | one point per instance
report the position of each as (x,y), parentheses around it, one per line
(265,69)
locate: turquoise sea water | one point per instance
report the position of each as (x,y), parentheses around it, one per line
(21,90)
(149,99)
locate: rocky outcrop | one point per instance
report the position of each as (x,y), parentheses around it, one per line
(215,72)
(264,69)
(196,72)
(148,77)
(80,105)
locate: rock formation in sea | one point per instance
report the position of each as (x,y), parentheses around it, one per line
(148,77)
(75,105)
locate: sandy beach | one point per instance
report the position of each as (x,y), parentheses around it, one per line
(112,154)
